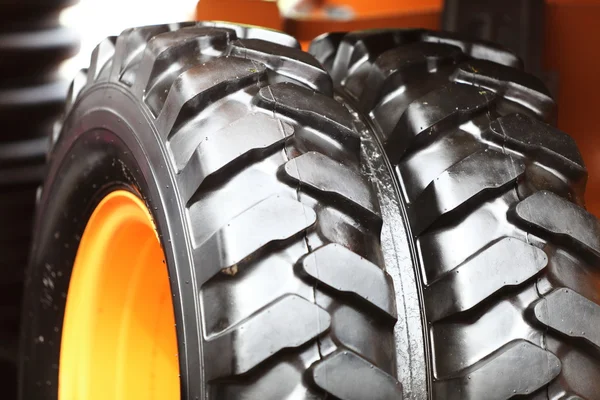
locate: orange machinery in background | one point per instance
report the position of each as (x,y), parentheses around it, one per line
(572,36)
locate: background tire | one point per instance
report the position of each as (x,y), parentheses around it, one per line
(505,252)
(259,189)
(31,98)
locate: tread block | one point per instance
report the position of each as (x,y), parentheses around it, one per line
(518,368)
(420,168)
(565,222)
(364,47)
(286,61)
(543,142)
(473,176)
(272,220)
(254,32)
(571,314)
(481,276)
(351,324)
(75,88)
(340,182)
(102,59)
(287,323)
(270,278)
(343,270)
(477,49)
(324,48)
(434,113)
(396,66)
(348,376)
(578,379)
(331,121)
(129,50)
(204,84)
(157,70)
(370,49)
(439,249)
(568,270)
(248,137)
(515,85)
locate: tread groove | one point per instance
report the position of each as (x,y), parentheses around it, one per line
(490,270)
(341,182)
(272,220)
(464,182)
(313,110)
(509,380)
(332,374)
(248,138)
(561,220)
(555,310)
(286,61)
(516,86)
(421,124)
(202,85)
(157,72)
(361,278)
(289,322)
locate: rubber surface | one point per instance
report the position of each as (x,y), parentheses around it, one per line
(257,174)
(493,193)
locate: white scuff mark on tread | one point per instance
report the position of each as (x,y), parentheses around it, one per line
(48,282)
(231,271)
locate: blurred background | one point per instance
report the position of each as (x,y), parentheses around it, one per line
(93,20)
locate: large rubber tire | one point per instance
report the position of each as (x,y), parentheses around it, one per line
(506,255)
(260,193)
(269,192)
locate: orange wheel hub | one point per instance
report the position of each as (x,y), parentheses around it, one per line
(119,339)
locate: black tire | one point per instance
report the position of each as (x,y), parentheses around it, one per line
(32,46)
(259,188)
(503,189)
(506,256)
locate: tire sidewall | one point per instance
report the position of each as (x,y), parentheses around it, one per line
(108,142)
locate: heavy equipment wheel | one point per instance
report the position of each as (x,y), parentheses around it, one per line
(404,226)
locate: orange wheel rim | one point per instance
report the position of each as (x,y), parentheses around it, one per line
(118,340)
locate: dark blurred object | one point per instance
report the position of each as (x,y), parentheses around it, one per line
(32,47)
(307,19)
(515,24)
